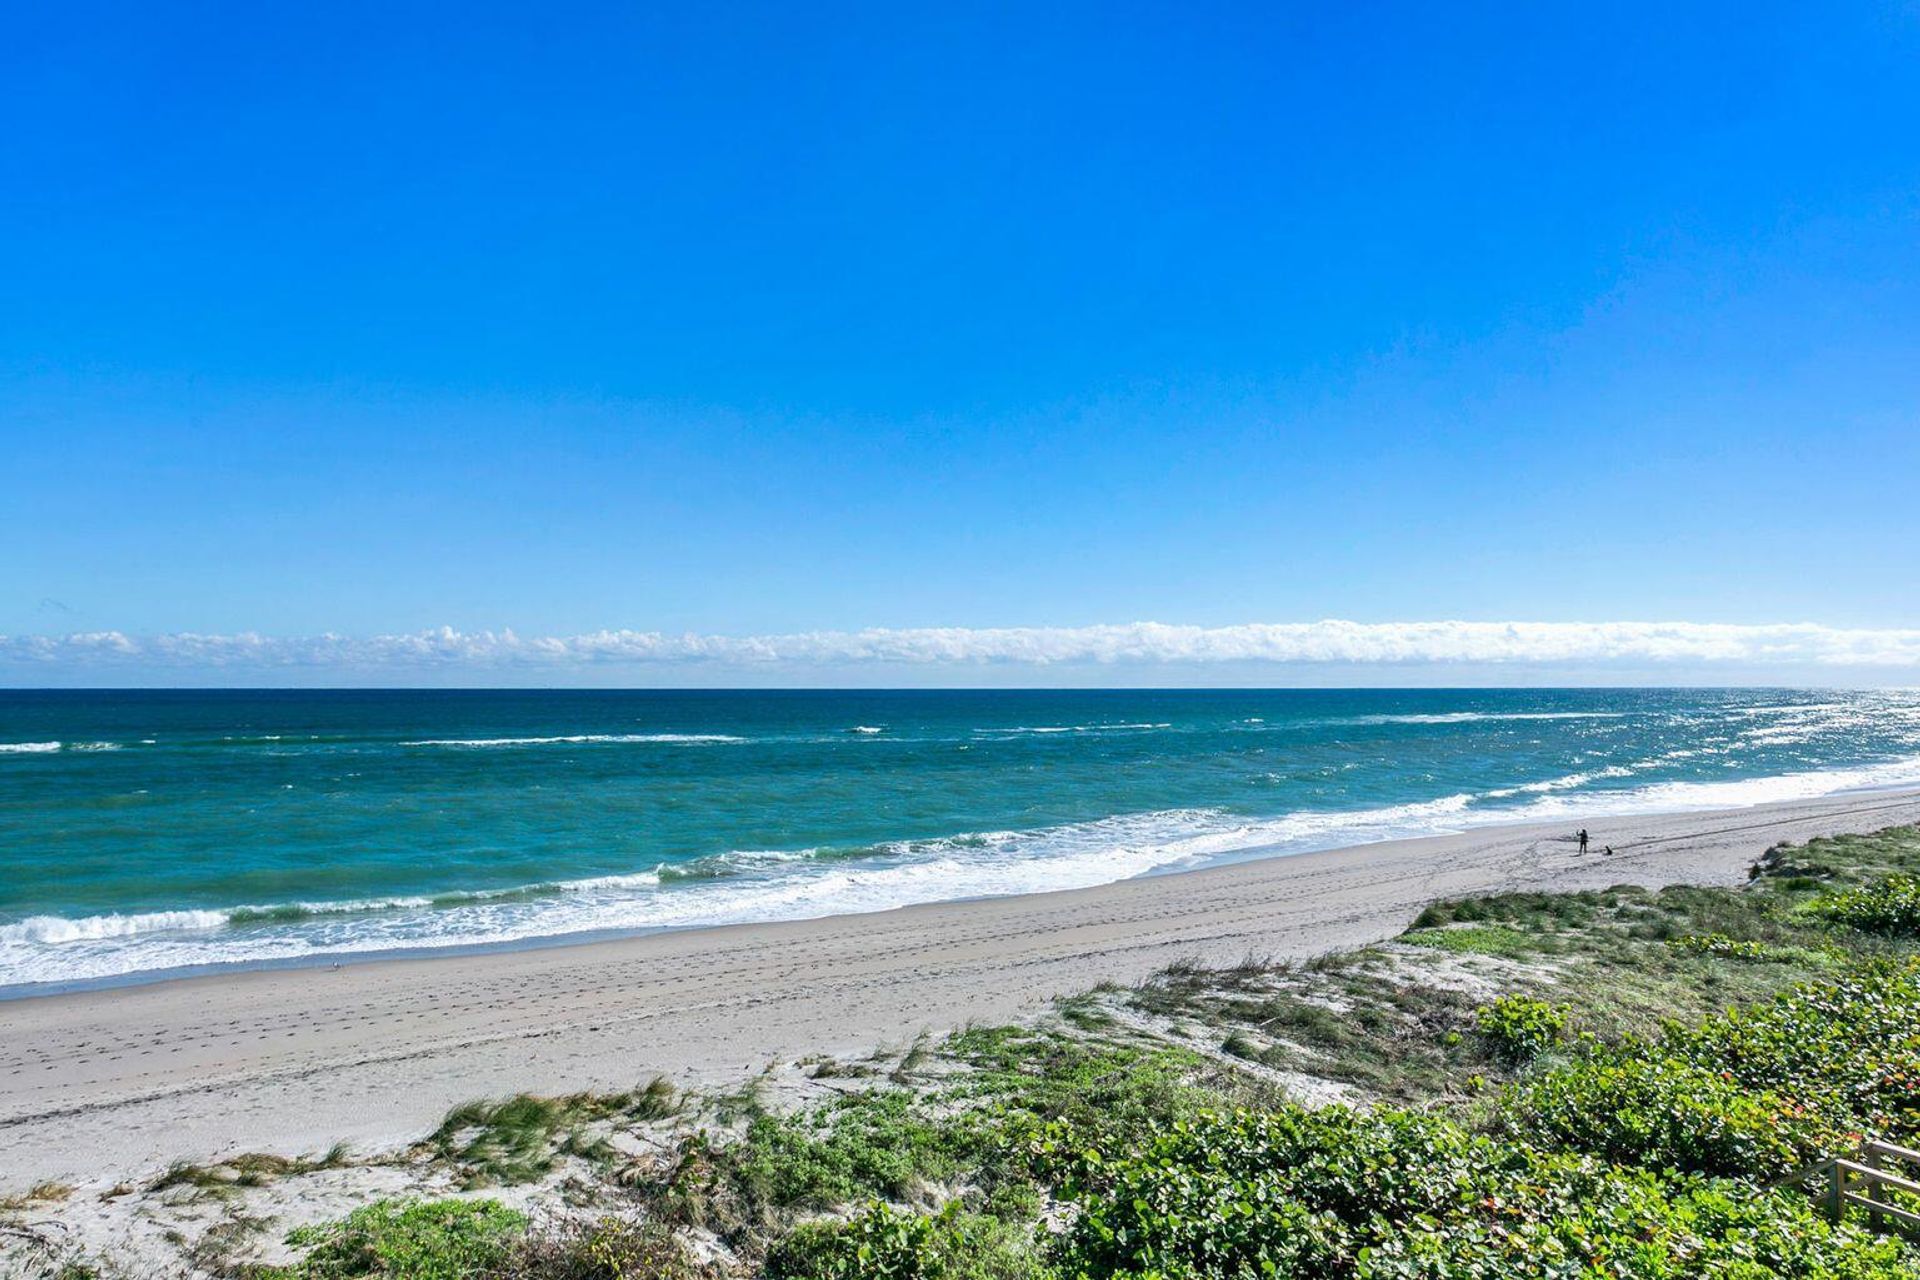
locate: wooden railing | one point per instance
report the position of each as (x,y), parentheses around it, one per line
(1838,1184)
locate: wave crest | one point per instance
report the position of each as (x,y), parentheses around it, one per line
(596,739)
(763,885)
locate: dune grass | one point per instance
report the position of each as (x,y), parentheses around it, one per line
(519,1139)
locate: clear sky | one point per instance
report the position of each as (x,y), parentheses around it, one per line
(762,320)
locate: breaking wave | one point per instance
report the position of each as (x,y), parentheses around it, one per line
(575,739)
(1475,717)
(1015,731)
(775,884)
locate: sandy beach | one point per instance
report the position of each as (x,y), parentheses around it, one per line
(110,1083)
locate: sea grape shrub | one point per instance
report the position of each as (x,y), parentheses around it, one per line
(1289,1192)
(1847,1048)
(1373,1195)
(1637,1106)
(1646,1228)
(884,1243)
(1518,1029)
(1890,906)
(1755,1092)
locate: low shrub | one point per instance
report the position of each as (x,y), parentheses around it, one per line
(1848,1048)
(1755,1092)
(880,1143)
(609,1249)
(1721,947)
(410,1240)
(1518,1029)
(1889,906)
(1474,939)
(1636,1106)
(890,1244)
(1373,1195)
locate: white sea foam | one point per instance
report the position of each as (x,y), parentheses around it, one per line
(1472,717)
(58,930)
(733,888)
(756,885)
(62,930)
(629,880)
(1567,783)
(1016,730)
(866,728)
(1662,797)
(575,738)
(28,748)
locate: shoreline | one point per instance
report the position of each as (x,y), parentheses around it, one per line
(122,1080)
(26,991)
(34,990)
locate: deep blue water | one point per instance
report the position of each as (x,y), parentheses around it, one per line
(151,830)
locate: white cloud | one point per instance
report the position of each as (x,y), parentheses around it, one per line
(1327,643)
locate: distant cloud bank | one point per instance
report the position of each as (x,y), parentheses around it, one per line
(1497,644)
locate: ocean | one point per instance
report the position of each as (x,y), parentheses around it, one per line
(157,832)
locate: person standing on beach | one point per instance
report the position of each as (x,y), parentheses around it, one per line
(1583,839)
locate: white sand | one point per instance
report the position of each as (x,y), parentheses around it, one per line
(101,1085)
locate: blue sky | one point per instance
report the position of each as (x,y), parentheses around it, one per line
(763,321)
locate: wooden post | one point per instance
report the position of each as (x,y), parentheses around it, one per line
(1835,1191)
(1876,1190)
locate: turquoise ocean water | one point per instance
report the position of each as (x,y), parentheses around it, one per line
(148,832)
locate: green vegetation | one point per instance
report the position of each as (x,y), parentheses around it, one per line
(1519,1029)
(418,1240)
(1581,1085)
(1486,940)
(1340,1193)
(39,1193)
(886,1244)
(1889,906)
(962,1139)
(518,1140)
(253,1169)
(1722,947)
(601,1249)
(1756,1092)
